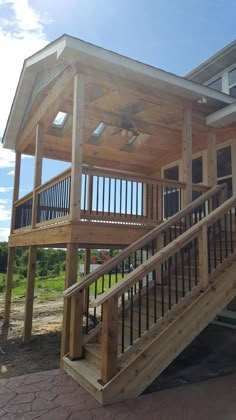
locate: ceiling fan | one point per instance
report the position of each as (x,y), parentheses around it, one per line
(126,127)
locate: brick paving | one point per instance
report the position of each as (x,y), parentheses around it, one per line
(54,395)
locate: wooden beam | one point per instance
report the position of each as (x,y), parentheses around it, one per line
(10,262)
(211,158)
(47,104)
(29,294)
(70,278)
(187,155)
(109,339)
(37,170)
(16,188)
(77,146)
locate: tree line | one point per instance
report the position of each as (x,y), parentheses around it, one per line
(50,261)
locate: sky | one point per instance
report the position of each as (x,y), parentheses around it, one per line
(175,35)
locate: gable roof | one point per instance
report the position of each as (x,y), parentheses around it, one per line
(69,50)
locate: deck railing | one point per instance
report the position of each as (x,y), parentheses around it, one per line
(106,196)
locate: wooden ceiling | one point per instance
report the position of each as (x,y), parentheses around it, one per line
(158,116)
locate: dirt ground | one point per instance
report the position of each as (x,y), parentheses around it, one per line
(43,352)
(211,354)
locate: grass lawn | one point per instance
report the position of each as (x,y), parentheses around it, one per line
(51,288)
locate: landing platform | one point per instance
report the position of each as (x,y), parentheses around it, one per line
(53,395)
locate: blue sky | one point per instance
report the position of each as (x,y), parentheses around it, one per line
(170,34)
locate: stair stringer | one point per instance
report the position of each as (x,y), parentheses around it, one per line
(134,378)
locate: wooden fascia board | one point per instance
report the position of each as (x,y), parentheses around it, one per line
(222,117)
(57,89)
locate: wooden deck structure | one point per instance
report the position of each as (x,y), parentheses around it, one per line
(119,122)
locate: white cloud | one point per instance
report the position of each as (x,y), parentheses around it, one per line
(5,189)
(4,233)
(11,173)
(5,213)
(7,158)
(21,35)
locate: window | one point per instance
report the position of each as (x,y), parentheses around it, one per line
(60,119)
(232,83)
(217,84)
(224,168)
(172,173)
(197,174)
(171,197)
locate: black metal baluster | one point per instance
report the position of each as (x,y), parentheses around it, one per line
(182,271)
(231,231)
(97,196)
(140,308)
(169,283)
(214,245)
(162,290)
(123,323)
(109,196)
(176,279)
(131,316)
(226,235)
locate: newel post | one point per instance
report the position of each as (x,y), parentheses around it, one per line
(76,326)
(203,257)
(109,339)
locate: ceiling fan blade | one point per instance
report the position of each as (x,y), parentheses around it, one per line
(116,132)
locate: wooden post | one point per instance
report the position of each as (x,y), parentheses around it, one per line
(76,326)
(30,293)
(109,339)
(203,257)
(16,189)
(187,156)
(70,278)
(211,159)
(11,251)
(37,170)
(77,147)
(10,262)
(160,204)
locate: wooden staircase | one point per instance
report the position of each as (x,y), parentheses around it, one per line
(143,321)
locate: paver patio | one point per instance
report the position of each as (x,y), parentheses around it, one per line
(54,395)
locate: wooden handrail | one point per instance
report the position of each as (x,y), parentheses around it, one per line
(23,199)
(129,176)
(53,181)
(139,243)
(162,255)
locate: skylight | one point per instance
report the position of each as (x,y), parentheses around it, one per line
(99,129)
(60,119)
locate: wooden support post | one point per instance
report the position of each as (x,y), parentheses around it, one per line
(187,156)
(70,278)
(16,188)
(37,170)
(10,263)
(30,293)
(77,146)
(211,159)
(86,271)
(76,326)
(203,257)
(109,339)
